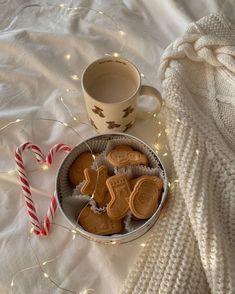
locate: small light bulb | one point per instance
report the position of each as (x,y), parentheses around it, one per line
(65,124)
(11,172)
(61,5)
(31,230)
(122,33)
(93,156)
(157,146)
(67,56)
(12,283)
(115,54)
(159,134)
(101,12)
(45,166)
(143,244)
(165,154)
(178,120)
(159,123)
(74,232)
(74,118)
(45,262)
(46,275)
(74,236)
(142,75)
(169,184)
(75,77)
(114,242)
(197,151)
(18,120)
(155,115)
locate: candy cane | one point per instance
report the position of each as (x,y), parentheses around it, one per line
(26,186)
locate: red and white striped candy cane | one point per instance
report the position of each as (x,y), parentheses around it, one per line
(26,186)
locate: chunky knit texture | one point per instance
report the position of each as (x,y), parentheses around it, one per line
(192,247)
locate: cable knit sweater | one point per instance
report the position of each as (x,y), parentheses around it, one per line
(192,246)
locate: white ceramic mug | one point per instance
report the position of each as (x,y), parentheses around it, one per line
(111,87)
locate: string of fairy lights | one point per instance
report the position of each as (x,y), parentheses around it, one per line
(40,265)
(161,150)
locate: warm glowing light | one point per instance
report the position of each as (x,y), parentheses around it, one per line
(75,77)
(93,156)
(157,146)
(165,154)
(159,134)
(167,131)
(116,54)
(74,232)
(143,244)
(12,283)
(159,123)
(197,151)
(74,236)
(155,115)
(67,90)
(65,124)
(67,56)
(178,120)
(18,120)
(142,75)
(101,12)
(31,230)
(45,166)
(74,118)
(114,242)
(46,275)
(122,33)
(62,5)
(45,262)
(11,172)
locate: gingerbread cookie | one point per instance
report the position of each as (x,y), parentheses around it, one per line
(155,178)
(120,191)
(123,148)
(106,199)
(144,198)
(99,224)
(76,174)
(95,184)
(120,158)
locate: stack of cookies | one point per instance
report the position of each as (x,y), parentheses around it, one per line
(116,193)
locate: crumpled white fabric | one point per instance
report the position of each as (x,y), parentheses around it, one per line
(34,74)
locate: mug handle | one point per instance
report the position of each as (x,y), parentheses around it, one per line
(150,91)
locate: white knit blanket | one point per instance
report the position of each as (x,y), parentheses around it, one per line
(192,246)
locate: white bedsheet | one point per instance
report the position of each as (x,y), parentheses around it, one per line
(42,53)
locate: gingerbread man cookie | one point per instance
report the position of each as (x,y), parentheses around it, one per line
(95,184)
